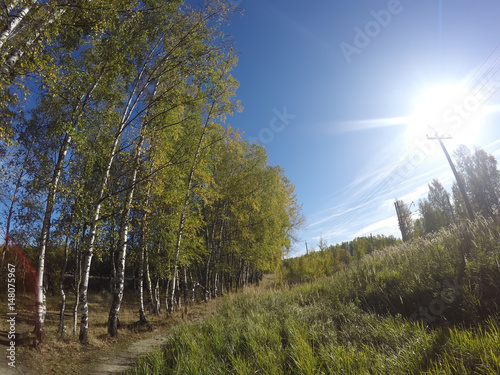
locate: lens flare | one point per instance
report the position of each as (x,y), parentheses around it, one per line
(434,111)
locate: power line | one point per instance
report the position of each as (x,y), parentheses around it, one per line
(475,84)
(457,176)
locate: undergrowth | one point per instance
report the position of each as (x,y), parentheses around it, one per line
(428,307)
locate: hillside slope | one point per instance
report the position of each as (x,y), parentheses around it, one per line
(427,307)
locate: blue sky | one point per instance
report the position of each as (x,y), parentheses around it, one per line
(334,91)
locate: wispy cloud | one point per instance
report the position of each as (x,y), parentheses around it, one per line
(340,212)
(367,203)
(371,206)
(493,147)
(330,234)
(359,125)
(386,226)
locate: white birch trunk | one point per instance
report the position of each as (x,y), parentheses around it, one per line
(78,277)
(11,26)
(62,329)
(142,316)
(114,311)
(149,284)
(184,207)
(16,53)
(143,258)
(132,102)
(41,292)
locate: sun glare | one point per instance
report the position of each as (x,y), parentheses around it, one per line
(432,110)
(450,110)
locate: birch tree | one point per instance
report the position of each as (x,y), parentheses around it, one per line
(165,42)
(31,31)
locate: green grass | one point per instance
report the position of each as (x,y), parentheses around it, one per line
(408,310)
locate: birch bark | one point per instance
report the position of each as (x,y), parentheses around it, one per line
(40,308)
(114,311)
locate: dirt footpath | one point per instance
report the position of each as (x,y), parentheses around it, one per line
(103,355)
(120,361)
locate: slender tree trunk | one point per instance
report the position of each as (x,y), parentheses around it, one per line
(186,201)
(142,259)
(9,8)
(210,239)
(78,277)
(112,265)
(157,308)
(245,278)
(156,295)
(122,247)
(84,283)
(148,282)
(89,250)
(61,288)
(207,278)
(185,285)
(169,301)
(15,54)
(11,26)
(40,295)
(142,316)
(133,101)
(193,290)
(178,292)
(215,282)
(77,296)
(44,237)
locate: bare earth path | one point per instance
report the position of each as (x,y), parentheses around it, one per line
(119,360)
(103,355)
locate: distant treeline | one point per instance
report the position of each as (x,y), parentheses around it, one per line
(415,308)
(481,179)
(329,259)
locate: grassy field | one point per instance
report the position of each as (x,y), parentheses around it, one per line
(430,307)
(65,355)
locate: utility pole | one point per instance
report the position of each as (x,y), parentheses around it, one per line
(402,225)
(307,250)
(457,176)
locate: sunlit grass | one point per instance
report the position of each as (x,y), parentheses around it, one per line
(407,310)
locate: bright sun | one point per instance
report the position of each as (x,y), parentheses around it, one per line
(432,108)
(449,110)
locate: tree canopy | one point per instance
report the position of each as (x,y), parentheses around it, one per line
(118,156)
